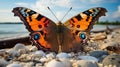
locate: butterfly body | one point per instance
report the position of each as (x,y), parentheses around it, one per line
(66,37)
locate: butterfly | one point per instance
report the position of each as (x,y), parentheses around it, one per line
(66,37)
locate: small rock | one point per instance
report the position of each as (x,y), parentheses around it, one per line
(3,63)
(99,54)
(14,65)
(55,63)
(51,55)
(34,48)
(66,62)
(84,63)
(99,36)
(88,58)
(43,59)
(21,48)
(63,55)
(112,60)
(39,53)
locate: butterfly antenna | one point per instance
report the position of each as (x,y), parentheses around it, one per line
(52,13)
(66,13)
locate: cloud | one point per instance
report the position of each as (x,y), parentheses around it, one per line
(5,10)
(22,4)
(117,13)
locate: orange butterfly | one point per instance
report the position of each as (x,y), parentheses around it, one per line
(47,35)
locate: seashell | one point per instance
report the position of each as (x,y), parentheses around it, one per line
(88,58)
(3,63)
(14,65)
(62,55)
(113,60)
(84,63)
(39,53)
(55,63)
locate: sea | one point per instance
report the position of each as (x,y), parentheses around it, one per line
(10,31)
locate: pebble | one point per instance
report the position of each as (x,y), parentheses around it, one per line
(88,58)
(84,63)
(63,55)
(99,54)
(3,63)
(112,60)
(39,53)
(55,63)
(14,65)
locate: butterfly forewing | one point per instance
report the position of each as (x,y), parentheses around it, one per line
(42,30)
(84,21)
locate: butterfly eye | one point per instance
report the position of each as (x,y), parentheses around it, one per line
(36,36)
(82,36)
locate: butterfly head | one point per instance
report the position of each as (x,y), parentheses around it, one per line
(59,23)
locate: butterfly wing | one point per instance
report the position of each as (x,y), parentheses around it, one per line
(81,24)
(42,30)
(85,20)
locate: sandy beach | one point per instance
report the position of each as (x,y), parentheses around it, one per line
(103,50)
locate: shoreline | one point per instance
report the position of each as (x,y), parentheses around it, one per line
(10,42)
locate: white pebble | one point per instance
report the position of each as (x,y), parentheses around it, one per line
(3,63)
(40,53)
(14,65)
(63,55)
(34,48)
(55,63)
(50,55)
(43,59)
(19,46)
(85,63)
(66,62)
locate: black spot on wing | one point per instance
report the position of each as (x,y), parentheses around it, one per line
(78,17)
(31,13)
(87,13)
(39,17)
(30,18)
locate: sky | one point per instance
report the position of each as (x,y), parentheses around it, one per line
(59,7)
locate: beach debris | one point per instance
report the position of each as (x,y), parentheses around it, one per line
(113,60)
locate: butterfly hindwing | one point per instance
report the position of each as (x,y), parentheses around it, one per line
(42,29)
